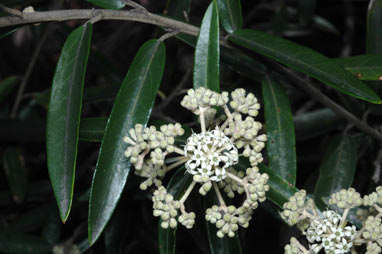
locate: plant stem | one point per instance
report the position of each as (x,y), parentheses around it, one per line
(218,193)
(187,193)
(73,14)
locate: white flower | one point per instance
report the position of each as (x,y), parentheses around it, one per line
(210,153)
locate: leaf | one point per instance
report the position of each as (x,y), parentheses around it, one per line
(177,8)
(218,245)
(109,4)
(279,189)
(364,67)
(14,167)
(315,123)
(52,228)
(132,106)
(337,168)
(305,60)
(21,243)
(92,129)
(7,85)
(206,65)
(306,10)
(230,14)
(374,27)
(63,117)
(176,187)
(281,145)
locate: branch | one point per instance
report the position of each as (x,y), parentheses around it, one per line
(340,111)
(86,14)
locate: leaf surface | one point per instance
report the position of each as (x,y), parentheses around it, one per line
(7,85)
(63,118)
(206,65)
(281,145)
(230,14)
(305,60)
(132,106)
(337,168)
(374,28)
(364,67)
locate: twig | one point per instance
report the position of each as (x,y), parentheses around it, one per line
(11,11)
(28,72)
(168,35)
(75,14)
(340,111)
(136,6)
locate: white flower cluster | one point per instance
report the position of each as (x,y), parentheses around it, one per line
(256,188)
(373,230)
(166,207)
(210,153)
(228,219)
(202,99)
(244,104)
(327,232)
(374,198)
(346,198)
(293,209)
(244,134)
(144,140)
(293,247)
(209,156)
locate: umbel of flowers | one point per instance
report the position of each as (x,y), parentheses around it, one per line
(329,231)
(209,156)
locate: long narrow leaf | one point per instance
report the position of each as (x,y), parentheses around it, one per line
(230,14)
(281,145)
(64,116)
(337,168)
(206,65)
(305,60)
(364,67)
(374,28)
(132,106)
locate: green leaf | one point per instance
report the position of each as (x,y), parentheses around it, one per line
(21,243)
(305,60)
(281,145)
(306,10)
(337,168)
(63,117)
(364,67)
(374,28)
(279,189)
(7,85)
(316,123)
(132,106)
(177,8)
(218,245)
(52,228)
(230,14)
(14,167)
(92,129)
(206,65)
(109,4)
(176,187)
